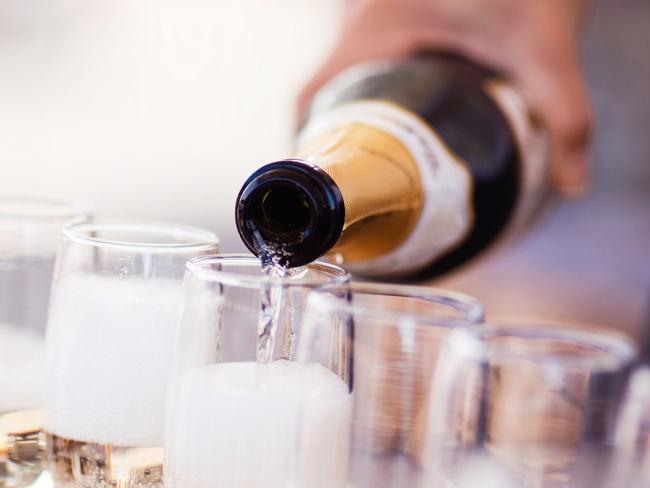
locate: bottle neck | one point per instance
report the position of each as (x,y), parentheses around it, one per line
(355,191)
(380,184)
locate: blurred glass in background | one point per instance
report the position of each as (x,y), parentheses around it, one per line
(533,405)
(30,233)
(395,333)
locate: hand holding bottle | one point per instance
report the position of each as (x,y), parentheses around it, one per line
(535,43)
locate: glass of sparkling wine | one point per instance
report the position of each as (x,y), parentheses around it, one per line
(30,233)
(394,333)
(241,411)
(116,298)
(526,406)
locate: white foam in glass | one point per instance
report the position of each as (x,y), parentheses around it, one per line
(281,425)
(110,343)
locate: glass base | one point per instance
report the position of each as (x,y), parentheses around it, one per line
(80,464)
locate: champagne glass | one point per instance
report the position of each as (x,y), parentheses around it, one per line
(394,336)
(30,233)
(241,411)
(525,405)
(116,298)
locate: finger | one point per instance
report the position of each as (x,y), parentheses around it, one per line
(556,90)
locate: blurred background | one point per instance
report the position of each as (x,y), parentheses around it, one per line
(159,110)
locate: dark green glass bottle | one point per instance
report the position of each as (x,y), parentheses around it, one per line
(403,169)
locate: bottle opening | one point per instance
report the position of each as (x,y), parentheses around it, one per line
(285,210)
(291,205)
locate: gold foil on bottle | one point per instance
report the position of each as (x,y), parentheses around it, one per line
(380,183)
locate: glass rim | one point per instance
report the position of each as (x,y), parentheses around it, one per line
(198,239)
(466,304)
(76,210)
(197,267)
(615,350)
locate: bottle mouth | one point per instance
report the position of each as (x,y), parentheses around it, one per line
(292,207)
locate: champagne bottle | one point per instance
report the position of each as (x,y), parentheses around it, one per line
(406,168)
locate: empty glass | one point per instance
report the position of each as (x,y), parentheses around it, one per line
(530,406)
(241,411)
(30,234)
(393,334)
(116,298)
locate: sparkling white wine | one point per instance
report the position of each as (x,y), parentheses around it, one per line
(108,358)
(276,306)
(403,169)
(248,425)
